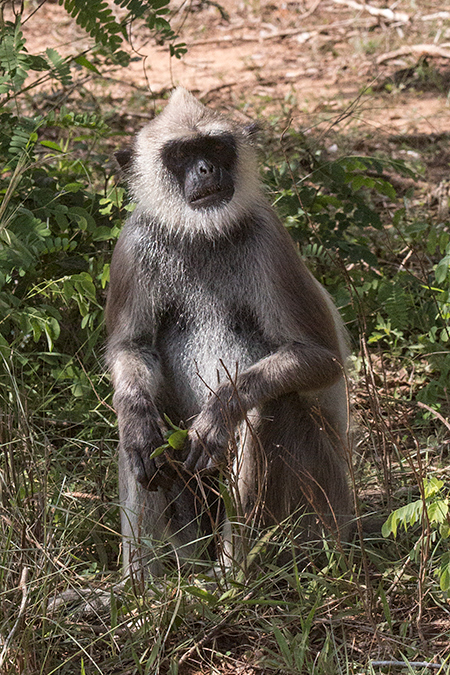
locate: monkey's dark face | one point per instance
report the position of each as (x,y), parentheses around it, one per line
(203,167)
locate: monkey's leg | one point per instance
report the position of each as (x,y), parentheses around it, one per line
(293,467)
(142,520)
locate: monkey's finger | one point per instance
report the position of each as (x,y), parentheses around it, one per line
(167,471)
(146,472)
(163,479)
(149,484)
(212,464)
(191,462)
(193,457)
(202,463)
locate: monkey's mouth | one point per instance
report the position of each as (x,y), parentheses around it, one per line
(211,196)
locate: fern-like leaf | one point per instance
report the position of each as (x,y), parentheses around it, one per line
(60,67)
(14,61)
(97,20)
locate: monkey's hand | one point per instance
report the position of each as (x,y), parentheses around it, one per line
(140,437)
(211,431)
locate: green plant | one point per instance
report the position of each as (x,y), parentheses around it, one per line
(60,215)
(384,257)
(335,209)
(431,511)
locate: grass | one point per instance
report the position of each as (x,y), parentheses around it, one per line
(377,600)
(367,608)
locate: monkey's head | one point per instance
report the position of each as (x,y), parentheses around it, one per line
(193,170)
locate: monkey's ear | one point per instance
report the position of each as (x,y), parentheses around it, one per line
(124,158)
(251,129)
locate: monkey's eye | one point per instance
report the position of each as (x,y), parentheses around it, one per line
(222,151)
(179,154)
(218,146)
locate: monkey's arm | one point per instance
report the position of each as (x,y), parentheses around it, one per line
(135,368)
(136,377)
(302,367)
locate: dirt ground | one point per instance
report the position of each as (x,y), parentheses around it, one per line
(308,60)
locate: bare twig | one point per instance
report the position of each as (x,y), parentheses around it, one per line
(436,15)
(387,14)
(23,604)
(291,32)
(310,11)
(435,413)
(206,92)
(420,50)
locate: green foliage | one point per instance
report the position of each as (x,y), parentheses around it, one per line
(14,61)
(337,212)
(99,21)
(53,252)
(333,200)
(60,215)
(433,507)
(432,513)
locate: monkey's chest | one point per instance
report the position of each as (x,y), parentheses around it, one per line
(199,352)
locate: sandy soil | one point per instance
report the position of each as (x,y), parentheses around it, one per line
(307,60)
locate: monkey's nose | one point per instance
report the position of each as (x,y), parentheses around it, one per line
(204,167)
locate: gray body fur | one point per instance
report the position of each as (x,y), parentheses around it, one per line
(197,296)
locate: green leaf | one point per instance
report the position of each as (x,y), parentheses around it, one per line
(201,593)
(83,61)
(159,451)
(390,525)
(444,530)
(52,145)
(102,234)
(61,67)
(178,439)
(385,188)
(432,241)
(283,645)
(442,269)
(104,279)
(362,181)
(433,486)
(444,572)
(73,187)
(406,515)
(438,511)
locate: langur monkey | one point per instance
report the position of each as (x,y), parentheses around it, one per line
(215,322)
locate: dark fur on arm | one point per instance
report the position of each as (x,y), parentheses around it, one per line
(136,370)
